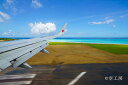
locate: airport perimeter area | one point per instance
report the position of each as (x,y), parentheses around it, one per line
(75,74)
(73,64)
(81,53)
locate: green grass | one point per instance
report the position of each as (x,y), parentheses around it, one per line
(6,39)
(112,48)
(63,43)
(116,49)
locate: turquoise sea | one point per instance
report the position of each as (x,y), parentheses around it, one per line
(87,40)
(93,40)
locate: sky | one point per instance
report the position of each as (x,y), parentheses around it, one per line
(85,18)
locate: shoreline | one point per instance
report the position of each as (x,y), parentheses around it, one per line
(78,42)
(1,40)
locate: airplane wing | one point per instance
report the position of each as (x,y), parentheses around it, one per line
(15,53)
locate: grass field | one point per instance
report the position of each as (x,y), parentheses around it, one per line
(113,48)
(81,53)
(6,39)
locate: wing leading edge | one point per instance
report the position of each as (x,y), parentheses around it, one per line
(15,53)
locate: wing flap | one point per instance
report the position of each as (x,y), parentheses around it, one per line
(26,56)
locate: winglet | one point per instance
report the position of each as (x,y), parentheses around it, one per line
(64,28)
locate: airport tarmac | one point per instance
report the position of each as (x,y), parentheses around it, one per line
(76,74)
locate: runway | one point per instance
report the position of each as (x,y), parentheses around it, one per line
(82,74)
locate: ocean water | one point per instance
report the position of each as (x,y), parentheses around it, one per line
(86,40)
(93,40)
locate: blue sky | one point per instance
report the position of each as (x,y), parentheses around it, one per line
(85,18)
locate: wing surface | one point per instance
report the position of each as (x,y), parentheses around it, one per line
(15,53)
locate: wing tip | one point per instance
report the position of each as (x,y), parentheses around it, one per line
(64,28)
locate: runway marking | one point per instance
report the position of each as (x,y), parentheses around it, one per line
(3,77)
(76,78)
(16,79)
(16,83)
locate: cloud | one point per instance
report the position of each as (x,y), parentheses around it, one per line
(8,33)
(4,17)
(10,1)
(40,28)
(36,4)
(124,16)
(10,5)
(108,21)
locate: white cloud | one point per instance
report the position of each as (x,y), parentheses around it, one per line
(108,21)
(124,16)
(8,4)
(5,33)
(40,28)
(36,4)
(8,33)
(10,1)
(4,17)
(11,6)
(106,18)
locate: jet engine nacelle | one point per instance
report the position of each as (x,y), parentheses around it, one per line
(44,51)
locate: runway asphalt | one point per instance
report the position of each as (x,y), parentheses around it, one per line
(76,74)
